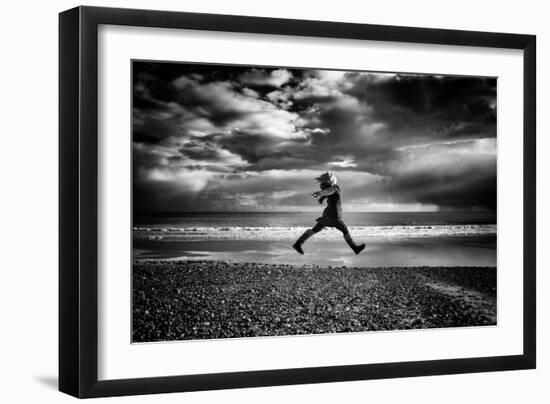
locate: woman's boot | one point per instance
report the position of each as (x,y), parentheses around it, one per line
(356,248)
(298,244)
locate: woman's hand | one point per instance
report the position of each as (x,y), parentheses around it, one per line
(324,192)
(319,196)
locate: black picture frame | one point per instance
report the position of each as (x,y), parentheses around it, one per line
(78,203)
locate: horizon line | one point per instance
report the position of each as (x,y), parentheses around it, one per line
(306,211)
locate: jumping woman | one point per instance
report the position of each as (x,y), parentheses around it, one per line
(332,215)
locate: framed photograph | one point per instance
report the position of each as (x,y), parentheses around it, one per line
(251,201)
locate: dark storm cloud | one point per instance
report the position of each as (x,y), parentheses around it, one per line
(253,138)
(151,130)
(430,102)
(467,189)
(264,152)
(469,182)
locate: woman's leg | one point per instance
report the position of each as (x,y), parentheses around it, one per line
(340,225)
(308,233)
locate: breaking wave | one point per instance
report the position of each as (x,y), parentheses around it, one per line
(288,233)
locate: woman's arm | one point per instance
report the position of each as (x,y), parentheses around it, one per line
(325,192)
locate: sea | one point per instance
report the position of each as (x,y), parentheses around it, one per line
(391,238)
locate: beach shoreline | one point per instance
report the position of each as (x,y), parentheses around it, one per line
(379,252)
(207,299)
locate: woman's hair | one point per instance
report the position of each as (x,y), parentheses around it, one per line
(327,178)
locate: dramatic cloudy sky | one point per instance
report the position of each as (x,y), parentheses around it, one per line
(228,138)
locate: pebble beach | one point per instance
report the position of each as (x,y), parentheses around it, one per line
(189,300)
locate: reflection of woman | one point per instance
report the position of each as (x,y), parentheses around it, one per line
(332,215)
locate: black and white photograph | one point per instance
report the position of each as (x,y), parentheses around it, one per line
(275,201)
